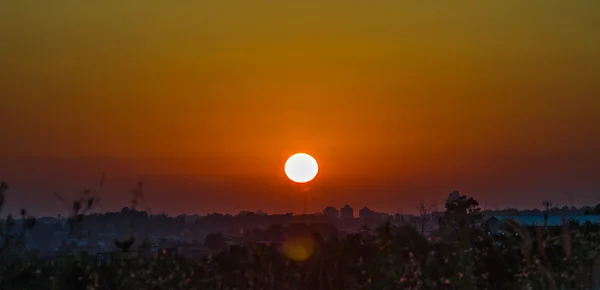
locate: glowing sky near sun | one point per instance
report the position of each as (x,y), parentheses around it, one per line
(397,96)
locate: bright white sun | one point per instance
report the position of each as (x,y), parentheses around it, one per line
(301,168)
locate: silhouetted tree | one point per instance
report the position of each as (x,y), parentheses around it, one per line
(461,211)
(458,228)
(594,211)
(425,216)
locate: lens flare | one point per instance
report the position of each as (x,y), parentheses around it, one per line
(299,248)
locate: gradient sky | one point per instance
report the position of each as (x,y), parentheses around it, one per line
(399,101)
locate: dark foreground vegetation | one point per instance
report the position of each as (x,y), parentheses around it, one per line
(462,254)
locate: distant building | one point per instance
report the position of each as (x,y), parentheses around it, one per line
(366,214)
(331,213)
(495,224)
(347,212)
(48,220)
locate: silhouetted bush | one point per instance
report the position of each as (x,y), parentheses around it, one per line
(460,256)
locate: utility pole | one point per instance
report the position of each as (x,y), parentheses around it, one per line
(547,204)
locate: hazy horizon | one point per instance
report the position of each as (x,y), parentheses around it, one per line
(32,185)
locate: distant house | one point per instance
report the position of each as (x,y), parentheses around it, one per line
(347,212)
(366,214)
(331,213)
(48,220)
(495,224)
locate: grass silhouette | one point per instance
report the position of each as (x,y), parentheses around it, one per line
(462,256)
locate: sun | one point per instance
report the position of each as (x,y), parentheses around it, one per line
(301,168)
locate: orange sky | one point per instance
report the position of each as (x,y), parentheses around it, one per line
(497,99)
